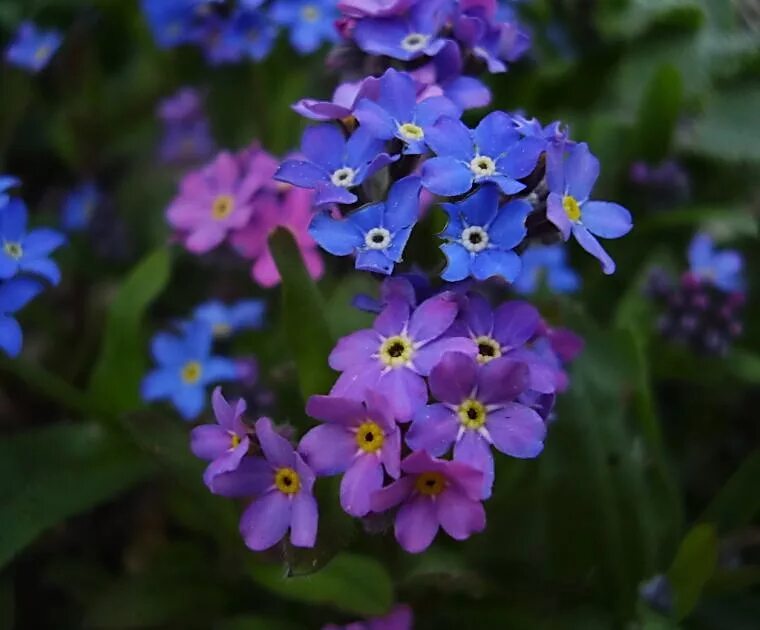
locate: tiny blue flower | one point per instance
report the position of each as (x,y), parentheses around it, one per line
(549,262)
(310,22)
(6,183)
(79,206)
(398,114)
(334,165)
(255,33)
(32,48)
(481,236)
(14,295)
(722,267)
(377,233)
(20,251)
(185,368)
(225,320)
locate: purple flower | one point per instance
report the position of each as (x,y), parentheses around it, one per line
(377,233)
(334,164)
(480,236)
(344,98)
(392,357)
(488,40)
(374,8)
(223,444)
(569,208)
(504,332)
(405,37)
(492,152)
(400,618)
(283,483)
(398,114)
(32,48)
(477,409)
(359,439)
(433,493)
(722,268)
(554,133)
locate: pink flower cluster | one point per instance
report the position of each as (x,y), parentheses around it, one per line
(234,200)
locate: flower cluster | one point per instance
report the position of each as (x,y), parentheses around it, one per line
(400,618)
(230,31)
(185,363)
(703,309)
(235,199)
(32,48)
(186,132)
(24,258)
(423,399)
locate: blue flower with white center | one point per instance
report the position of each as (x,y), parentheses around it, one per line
(397,114)
(79,207)
(721,267)
(569,208)
(481,235)
(334,165)
(185,368)
(32,48)
(377,233)
(493,152)
(253,32)
(310,22)
(176,22)
(6,183)
(20,251)
(225,320)
(547,262)
(14,295)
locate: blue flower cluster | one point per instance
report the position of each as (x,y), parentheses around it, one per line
(186,365)
(32,48)
(229,32)
(24,257)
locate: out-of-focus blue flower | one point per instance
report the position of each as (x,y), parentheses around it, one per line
(175,22)
(549,262)
(22,251)
(32,48)
(310,22)
(225,320)
(79,206)
(254,33)
(481,235)
(14,295)
(398,114)
(569,208)
(333,164)
(721,267)
(493,152)
(406,37)
(185,368)
(6,183)
(187,134)
(377,233)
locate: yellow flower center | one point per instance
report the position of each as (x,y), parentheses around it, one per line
(488,349)
(310,13)
(222,207)
(370,437)
(191,372)
(287,481)
(572,208)
(410,131)
(221,329)
(472,414)
(234,440)
(42,53)
(14,250)
(415,42)
(396,351)
(430,484)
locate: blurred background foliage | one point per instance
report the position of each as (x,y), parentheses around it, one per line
(652,467)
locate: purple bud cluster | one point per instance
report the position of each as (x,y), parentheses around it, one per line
(186,131)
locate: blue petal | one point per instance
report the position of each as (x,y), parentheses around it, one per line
(300,173)
(17,293)
(362,147)
(508,228)
(324,145)
(563,280)
(339,237)
(42,267)
(495,134)
(382,37)
(434,108)
(327,192)
(457,262)
(368,217)
(700,251)
(508,185)
(374,260)
(493,262)
(398,242)
(402,208)
(480,208)
(189,401)
(450,137)
(41,242)
(522,159)
(446,176)
(167,349)
(8,265)
(197,340)
(216,369)
(160,384)
(398,95)
(13,220)
(606,219)
(581,172)
(588,242)
(247,314)
(375,119)
(11,337)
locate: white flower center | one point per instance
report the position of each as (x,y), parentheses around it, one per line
(378,238)
(411,132)
(414,42)
(474,238)
(482,166)
(343,177)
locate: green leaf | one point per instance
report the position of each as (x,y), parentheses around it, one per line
(352,583)
(303,316)
(115,382)
(641,15)
(658,114)
(745,365)
(738,501)
(257,622)
(50,474)
(694,565)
